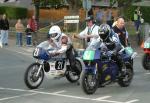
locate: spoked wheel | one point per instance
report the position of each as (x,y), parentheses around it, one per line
(89,82)
(146,61)
(32,80)
(72,76)
(126,79)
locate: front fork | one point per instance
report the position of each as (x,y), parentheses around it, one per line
(41,65)
(93,70)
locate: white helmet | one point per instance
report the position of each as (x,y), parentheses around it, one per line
(54,32)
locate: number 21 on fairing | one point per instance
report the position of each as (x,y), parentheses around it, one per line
(36,52)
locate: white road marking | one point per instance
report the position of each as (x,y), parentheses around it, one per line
(13,97)
(28,54)
(70,96)
(100,98)
(59,92)
(28,49)
(22,53)
(132,101)
(147,73)
(109,101)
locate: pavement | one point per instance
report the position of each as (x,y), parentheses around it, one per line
(22,50)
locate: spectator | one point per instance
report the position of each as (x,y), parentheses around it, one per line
(109,18)
(19,31)
(28,35)
(99,16)
(90,33)
(4,27)
(120,29)
(114,23)
(137,19)
(34,26)
(90,12)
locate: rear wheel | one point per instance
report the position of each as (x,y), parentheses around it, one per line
(146,61)
(72,76)
(32,80)
(89,82)
(126,79)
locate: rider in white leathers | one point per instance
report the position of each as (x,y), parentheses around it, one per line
(60,44)
(57,41)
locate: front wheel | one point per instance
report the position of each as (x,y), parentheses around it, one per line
(146,61)
(126,79)
(72,76)
(89,82)
(31,79)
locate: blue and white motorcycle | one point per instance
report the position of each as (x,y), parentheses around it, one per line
(53,66)
(101,69)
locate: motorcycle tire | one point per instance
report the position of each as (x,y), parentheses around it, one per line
(126,79)
(71,75)
(146,61)
(31,80)
(87,85)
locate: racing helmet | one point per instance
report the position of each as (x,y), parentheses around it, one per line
(54,32)
(104,31)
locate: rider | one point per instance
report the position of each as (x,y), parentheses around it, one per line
(61,44)
(111,41)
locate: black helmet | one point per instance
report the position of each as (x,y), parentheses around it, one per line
(104,31)
(89,18)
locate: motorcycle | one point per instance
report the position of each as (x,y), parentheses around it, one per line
(50,65)
(101,70)
(146,56)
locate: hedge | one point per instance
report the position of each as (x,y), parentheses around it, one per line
(14,12)
(129,12)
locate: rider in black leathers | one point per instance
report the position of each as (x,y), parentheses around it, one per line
(111,41)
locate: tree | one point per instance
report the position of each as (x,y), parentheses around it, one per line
(36,4)
(74,5)
(122,4)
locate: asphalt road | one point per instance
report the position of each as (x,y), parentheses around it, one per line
(14,61)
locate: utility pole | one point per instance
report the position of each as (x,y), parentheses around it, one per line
(36,4)
(87,4)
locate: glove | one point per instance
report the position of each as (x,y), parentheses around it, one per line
(112,53)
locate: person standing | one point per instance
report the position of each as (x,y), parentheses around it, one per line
(19,31)
(109,18)
(137,19)
(90,12)
(4,27)
(28,35)
(34,26)
(90,33)
(120,29)
(99,16)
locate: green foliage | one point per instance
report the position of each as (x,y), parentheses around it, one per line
(145,14)
(123,3)
(14,12)
(128,13)
(51,3)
